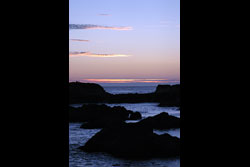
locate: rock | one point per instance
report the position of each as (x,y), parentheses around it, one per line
(166,145)
(167,89)
(135,116)
(161,121)
(169,103)
(86,93)
(77,115)
(132,140)
(111,120)
(166,95)
(102,123)
(99,116)
(91,112)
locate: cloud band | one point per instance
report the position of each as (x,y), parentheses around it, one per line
(79,40)
(89,54)
(92,26)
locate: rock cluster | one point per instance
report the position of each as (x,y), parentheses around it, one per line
(99,116)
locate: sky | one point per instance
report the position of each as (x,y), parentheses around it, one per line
(124,41)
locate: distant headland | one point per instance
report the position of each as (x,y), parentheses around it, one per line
(165,95)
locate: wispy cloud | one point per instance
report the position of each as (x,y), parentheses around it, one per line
(103,14)
(93,26)
(129,81)
(89,54)
(79,40)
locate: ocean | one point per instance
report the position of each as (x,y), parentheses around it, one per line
(129,89)
(78,137)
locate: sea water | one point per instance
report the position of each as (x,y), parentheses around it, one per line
(78,137)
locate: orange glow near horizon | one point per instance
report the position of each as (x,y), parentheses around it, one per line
(127,80)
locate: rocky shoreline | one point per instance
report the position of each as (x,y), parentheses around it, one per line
(165,95)
(127,140)
(121,139)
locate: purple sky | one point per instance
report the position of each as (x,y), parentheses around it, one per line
(129,41)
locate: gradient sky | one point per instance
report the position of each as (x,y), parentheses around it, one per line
(124,41)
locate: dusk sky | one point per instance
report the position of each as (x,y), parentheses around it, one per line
(124,41)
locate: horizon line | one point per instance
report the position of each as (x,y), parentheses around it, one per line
(123,81)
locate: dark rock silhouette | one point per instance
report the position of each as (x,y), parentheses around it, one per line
(166,95)
(127,140)
(167,89)
(86,93)
(135,116)
(99,116)
(131,140)
(161,121)
(103,122)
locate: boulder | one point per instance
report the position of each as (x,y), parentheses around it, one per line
(161,121)
(131,140)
